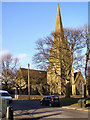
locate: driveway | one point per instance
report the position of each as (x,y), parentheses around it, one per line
(31,109)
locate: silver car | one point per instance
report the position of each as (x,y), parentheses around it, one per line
(5,95)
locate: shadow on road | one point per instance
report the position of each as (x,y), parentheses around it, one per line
(33,109)
(43,116)
(27,105)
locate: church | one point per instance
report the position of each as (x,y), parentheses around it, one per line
(60,74)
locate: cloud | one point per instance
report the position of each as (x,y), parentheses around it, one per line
(4,52)
(24,60)
(22,57)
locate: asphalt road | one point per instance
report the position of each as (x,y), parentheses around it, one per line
(25,109)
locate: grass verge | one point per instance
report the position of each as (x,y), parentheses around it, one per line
(72,102)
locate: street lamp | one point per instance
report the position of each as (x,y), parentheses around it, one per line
(28,82)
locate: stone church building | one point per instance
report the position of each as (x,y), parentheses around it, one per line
(60,72)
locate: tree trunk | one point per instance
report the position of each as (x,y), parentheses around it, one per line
(87,54)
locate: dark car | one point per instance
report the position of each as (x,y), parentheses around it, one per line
(50,100)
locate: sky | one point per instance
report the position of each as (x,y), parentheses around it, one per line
(23,23)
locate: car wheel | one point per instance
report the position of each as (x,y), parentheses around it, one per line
(50,105)
(41,103)
(58,105)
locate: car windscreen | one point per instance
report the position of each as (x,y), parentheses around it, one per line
(4,94)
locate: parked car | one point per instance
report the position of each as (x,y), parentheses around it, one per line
(5,95)
(50,100)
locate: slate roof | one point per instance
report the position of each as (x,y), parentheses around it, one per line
(77,75)
(36,76)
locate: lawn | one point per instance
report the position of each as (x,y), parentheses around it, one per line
(68,101)
(72,101)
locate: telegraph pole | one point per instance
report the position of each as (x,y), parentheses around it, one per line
(28,82)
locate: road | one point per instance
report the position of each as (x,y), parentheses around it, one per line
(33,110)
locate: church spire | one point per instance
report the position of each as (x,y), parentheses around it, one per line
(58,27)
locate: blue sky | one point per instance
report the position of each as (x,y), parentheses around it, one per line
(23,23)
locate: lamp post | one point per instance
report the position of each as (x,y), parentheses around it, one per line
(28,82)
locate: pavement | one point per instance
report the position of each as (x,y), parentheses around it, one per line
(76,108)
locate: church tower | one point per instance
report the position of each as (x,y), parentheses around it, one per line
(57,72)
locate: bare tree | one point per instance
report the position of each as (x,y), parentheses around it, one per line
(74,43)
(20,83)
(87,68)
(87,51)
(9,70)
(76,39)
(68,50)
(41,58)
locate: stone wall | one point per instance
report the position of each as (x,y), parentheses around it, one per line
(26,97)
(3,107)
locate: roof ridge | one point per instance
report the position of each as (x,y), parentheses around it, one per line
(33,69)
